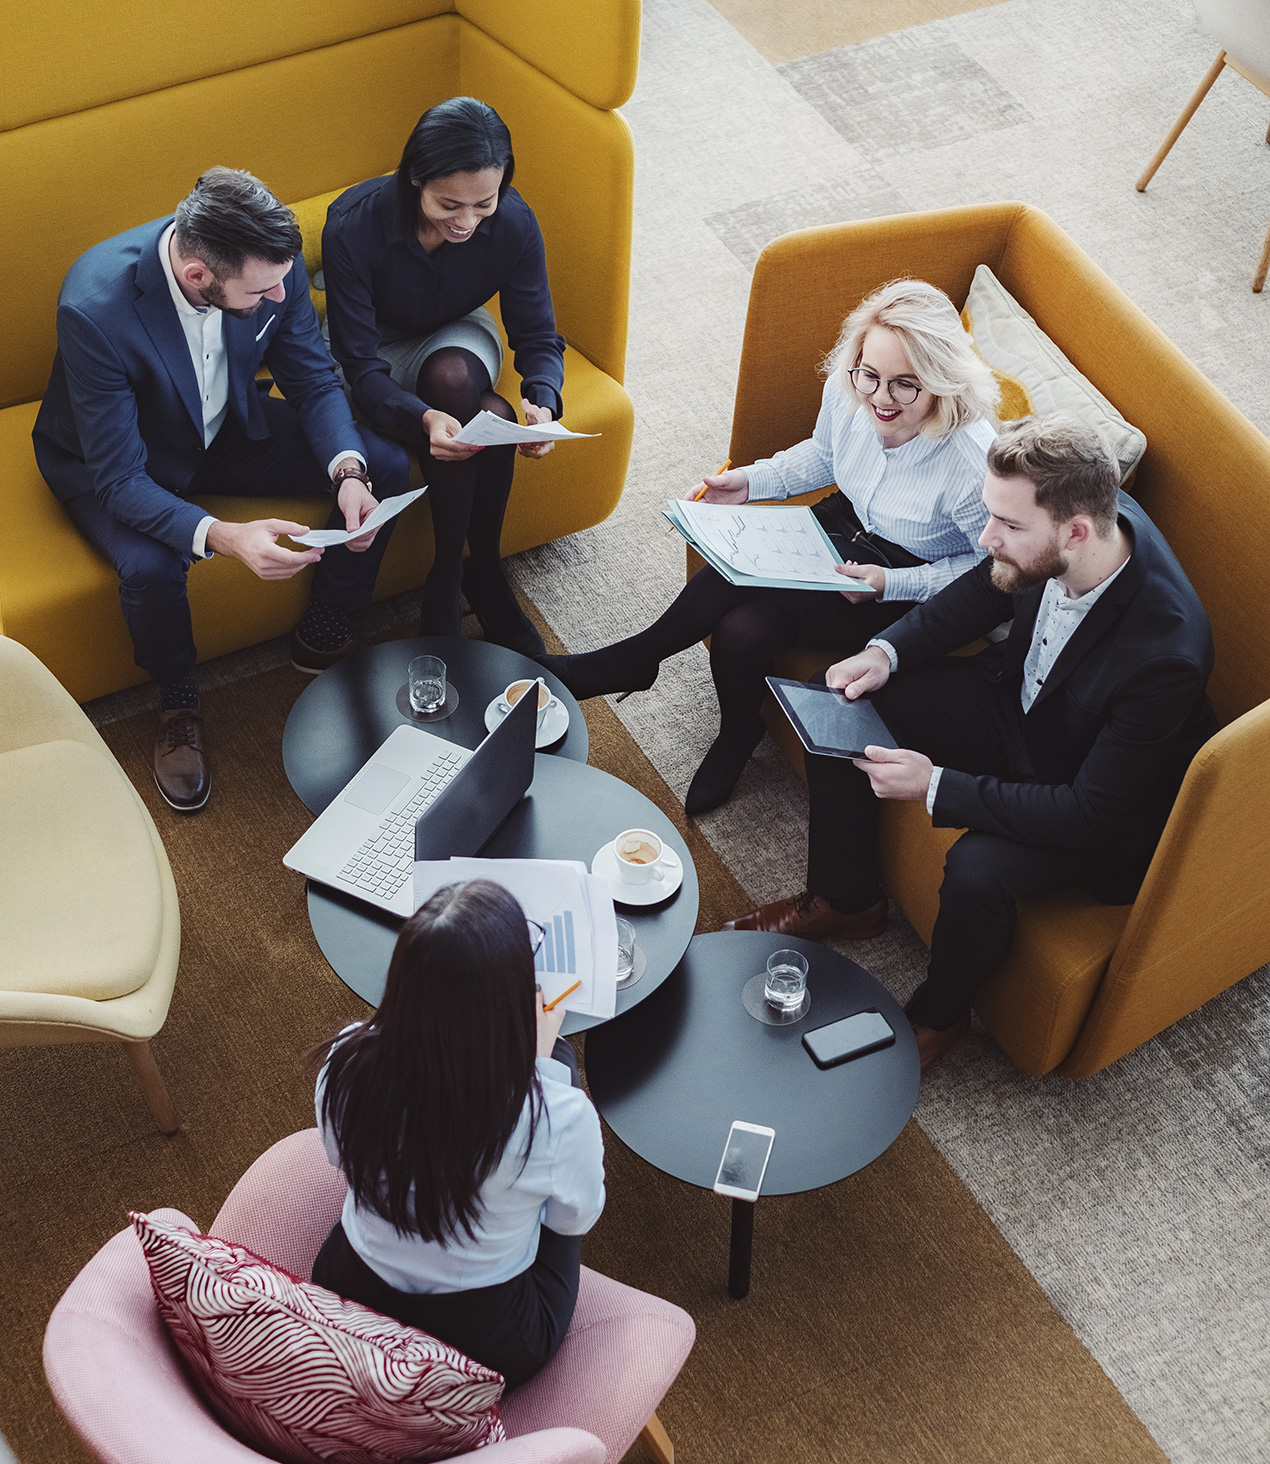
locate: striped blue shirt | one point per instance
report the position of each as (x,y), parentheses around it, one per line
(926,496)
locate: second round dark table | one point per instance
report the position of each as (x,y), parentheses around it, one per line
(349,711)
(671,1075)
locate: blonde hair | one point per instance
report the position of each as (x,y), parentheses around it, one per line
(941,353)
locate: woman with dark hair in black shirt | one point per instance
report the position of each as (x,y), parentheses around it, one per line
(409,262)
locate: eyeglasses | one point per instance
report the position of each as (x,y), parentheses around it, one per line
(536,936)
(866,382)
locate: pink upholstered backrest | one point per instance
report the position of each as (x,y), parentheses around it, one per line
(283,1208)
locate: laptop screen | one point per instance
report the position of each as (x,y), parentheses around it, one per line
(484,791)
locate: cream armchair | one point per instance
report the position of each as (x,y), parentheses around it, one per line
(90,930)
(1242,29)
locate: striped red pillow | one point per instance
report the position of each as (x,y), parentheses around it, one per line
(304,1375)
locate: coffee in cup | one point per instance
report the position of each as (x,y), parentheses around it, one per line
(517,689)
(638,852)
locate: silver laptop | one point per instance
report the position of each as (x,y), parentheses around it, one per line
(421,797)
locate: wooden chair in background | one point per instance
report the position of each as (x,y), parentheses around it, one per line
(1242,29)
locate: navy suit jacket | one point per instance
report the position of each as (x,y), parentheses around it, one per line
(122,416)
(1122,713)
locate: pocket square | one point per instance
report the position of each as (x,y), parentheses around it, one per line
(265,326)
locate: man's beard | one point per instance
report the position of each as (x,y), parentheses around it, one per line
(214,294)
(1013,578)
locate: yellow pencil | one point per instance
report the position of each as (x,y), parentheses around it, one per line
(703,490)
(552,1005)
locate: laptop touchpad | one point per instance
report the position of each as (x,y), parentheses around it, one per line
(376,788)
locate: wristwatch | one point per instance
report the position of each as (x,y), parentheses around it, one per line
(356,471)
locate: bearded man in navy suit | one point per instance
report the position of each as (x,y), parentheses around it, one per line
(153,402)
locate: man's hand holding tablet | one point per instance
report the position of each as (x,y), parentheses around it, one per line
(893,772)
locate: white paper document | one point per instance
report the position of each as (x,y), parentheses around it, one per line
(575,910)
(768,543)
(389,508)
(487,429)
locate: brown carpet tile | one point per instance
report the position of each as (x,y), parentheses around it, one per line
(789,30)
(888,1319)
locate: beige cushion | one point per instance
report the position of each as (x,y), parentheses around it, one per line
(80,899)
(1034,375)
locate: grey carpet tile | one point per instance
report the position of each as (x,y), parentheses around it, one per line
(859,195)
(913,90)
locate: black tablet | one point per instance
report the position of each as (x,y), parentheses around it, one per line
(826,722)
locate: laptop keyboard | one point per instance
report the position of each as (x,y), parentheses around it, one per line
(386,860)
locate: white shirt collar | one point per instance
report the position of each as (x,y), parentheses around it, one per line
(915,448)
(178,299)
(1085,601)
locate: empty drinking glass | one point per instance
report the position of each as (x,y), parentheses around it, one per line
(625,952)
(786,980)
(427,683)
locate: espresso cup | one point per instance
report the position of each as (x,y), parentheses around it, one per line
(638,853)
(513,693)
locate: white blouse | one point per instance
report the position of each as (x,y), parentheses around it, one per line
(560,1185)
(926,496)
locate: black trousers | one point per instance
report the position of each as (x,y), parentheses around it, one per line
(953,712)
(515,1327)
(152,574)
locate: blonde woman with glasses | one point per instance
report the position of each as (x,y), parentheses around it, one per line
(906,420)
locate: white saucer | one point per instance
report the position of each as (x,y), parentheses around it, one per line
(652,893)
(554,725)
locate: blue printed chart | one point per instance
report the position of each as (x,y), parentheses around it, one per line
(557,955)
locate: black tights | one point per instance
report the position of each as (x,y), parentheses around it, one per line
(468,498)
(748,628)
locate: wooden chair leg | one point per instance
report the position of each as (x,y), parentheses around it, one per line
(1188,111)
(1260,277)
(153,1089)
(658,1440)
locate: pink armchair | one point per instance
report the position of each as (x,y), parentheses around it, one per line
(121,1384)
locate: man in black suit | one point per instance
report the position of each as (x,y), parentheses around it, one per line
(1060,749)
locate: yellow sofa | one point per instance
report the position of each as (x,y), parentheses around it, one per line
(1083,983)
(110,118)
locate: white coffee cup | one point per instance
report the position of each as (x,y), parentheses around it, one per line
(513,693)
(638,853)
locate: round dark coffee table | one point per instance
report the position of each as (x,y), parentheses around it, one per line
(571,810)
(348,711)
(672,1075)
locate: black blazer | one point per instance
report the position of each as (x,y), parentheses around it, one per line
(1107,741)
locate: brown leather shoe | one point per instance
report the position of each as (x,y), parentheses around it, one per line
(813,918)
(935,1042)
(181,773)
(313,662)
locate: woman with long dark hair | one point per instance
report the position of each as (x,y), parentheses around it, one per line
(474,1160)
(409,262)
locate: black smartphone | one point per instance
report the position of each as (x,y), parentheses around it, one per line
(853,1036)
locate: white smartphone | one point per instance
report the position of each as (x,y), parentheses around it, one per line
(744,1161)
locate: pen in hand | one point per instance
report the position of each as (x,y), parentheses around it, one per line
(703,490)
(550,1006)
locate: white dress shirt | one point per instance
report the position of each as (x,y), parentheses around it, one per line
(204,334)
(926,495)
(560,1185)
(1057,619)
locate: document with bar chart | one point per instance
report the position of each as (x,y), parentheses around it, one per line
(575,910)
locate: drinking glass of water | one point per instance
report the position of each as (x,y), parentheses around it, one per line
(625,953)
(786,980)
(427,683)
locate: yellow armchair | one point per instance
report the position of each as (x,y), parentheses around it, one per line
(1083,983)
(90,929)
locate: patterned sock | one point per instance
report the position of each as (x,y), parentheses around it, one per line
(175,696)
(323,626)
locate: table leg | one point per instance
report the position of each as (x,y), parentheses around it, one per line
(741,1248)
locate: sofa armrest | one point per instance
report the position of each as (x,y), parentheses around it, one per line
(1202,919)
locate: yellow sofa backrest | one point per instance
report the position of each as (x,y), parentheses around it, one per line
(115,110)
(1205,479)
